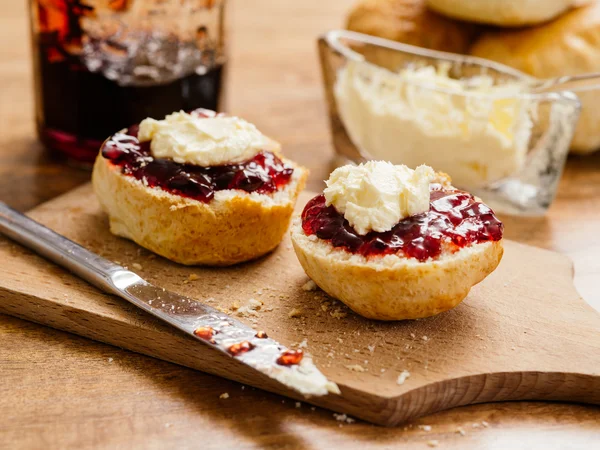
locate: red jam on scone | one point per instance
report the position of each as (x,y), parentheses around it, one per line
(264,173)
(455,218)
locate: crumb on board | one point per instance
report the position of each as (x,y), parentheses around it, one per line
(303,344)
(310,285)
(403,376)
(298,404)
(425,338)
(461,431)
(295,313)
(193,277)
(371,348)
(485,424)
(355,368)
(137,266)
(433,443)
(343,418)
(224,396)
(338,313)
(425,427)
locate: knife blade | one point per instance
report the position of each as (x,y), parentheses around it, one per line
(212,327)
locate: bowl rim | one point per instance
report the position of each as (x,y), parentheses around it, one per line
(332,39)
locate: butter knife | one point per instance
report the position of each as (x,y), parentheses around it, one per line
(214,328)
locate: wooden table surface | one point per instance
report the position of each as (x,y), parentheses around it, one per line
(62,391)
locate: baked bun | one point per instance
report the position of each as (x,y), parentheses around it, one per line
(568,46)
(233,227)
(410,22)
(394,286)
(505,13)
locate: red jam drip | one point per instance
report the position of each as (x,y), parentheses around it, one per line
(205,333)
(455,219)
(239,348)
(290,357)
(264,174)
(261,335)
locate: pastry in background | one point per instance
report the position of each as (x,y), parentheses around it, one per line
(569,45)
(505,13)
(410,22)
(197,188)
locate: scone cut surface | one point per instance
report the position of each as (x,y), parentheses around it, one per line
(189,214)
(379,275)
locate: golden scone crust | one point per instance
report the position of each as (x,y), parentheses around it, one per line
(569,45)
(393,287)
(410,22)
(507,13)
(232,228)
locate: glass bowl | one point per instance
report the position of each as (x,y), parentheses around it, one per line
(483,125)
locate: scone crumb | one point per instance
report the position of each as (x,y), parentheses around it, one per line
(255,304)
(425,427)
(340,340)
(425,338)
(485,424)
(371,348)
(325,306)
(235,306)
(461,431)
(245,311)
(355,368)
(433,443)
(413,335)
(403,376)
(303,344)
(343,418)
(298,404)
(224,395)
(310,285)
(137,266)
(338,313)
(193,277)
(295,313)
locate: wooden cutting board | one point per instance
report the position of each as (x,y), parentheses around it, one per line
(523,333)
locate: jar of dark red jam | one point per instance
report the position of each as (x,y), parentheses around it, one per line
(100,66)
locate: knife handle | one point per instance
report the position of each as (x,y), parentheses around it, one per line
(96,270)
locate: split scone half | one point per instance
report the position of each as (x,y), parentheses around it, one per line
(194,214)
(424,265)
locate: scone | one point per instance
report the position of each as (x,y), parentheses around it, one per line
(569,45)
(185,207)
(419,266)
(410,22)
(506,13)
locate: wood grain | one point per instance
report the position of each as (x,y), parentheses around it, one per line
(61,391)
(523,333)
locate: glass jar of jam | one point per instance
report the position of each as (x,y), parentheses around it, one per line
(102,65)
